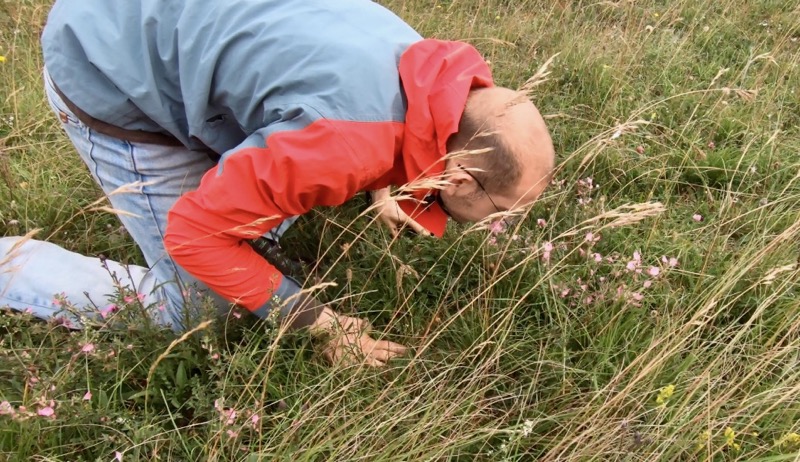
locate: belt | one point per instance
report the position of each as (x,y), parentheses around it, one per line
(137,136)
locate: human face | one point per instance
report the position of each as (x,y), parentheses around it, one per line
(466,200)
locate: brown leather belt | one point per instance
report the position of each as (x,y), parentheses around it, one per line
(136,136)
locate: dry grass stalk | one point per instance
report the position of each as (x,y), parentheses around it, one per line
(628,214)
(203,325)
(773,274)
(599,142)
(540,77)
(469,152)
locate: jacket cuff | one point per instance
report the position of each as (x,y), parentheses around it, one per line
(301,311)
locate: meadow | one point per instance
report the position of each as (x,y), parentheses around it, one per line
(646,308)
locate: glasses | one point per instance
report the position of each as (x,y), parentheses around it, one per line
(506,222)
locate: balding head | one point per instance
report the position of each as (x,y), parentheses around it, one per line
(505,147)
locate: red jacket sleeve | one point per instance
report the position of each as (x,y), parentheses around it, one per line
(254,189)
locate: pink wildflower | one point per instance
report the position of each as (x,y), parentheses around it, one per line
(215,356)
(87,396)
(118,456)
(598,258)
(697,217)
(230,416)
(46,412)
(654,271)
(128,299)
(254,419)
(107,311)
(647,284)
(140,297)
(540,222)
(237,314)
(637,257)
(673,262)
(638,297)
(640,149)
(631,266)
(547,247)
(497,227)
(6,408)
(88,348)
(232,434)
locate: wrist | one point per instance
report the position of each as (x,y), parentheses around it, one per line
(325,322)
(380,194)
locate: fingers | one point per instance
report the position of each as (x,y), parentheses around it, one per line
(382,350)
(395,219)
(350,350)
(418,228)
(373,362)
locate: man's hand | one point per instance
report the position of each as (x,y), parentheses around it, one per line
(349,342)
(391,215)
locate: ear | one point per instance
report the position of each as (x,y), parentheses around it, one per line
(461,183)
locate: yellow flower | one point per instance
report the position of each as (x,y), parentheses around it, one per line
(665,394)
(730,435)
(702,440)
(790,440)
(2,59)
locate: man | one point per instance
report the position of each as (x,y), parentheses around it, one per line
(232,118)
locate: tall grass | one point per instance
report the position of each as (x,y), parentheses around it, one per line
(645,309)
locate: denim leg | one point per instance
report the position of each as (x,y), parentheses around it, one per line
(36,275)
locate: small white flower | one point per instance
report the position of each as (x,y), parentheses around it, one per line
(527,428)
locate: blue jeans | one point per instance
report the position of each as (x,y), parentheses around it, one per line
(151,178)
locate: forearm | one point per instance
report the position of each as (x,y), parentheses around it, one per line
(305,311)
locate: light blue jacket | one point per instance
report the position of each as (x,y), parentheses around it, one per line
(218,70)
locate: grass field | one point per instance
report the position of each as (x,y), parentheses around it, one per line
(647,308)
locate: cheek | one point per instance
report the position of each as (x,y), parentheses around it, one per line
(463,210)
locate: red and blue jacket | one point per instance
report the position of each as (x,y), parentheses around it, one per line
(308,102)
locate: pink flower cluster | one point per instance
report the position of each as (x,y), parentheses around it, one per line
(229,417)
(587,292)
(46,410)
(585,188)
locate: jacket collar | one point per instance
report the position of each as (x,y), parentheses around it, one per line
(437,76)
